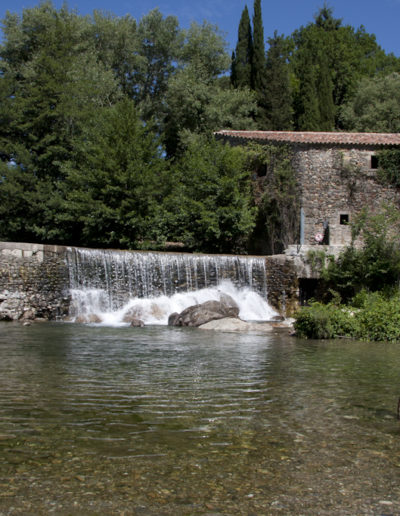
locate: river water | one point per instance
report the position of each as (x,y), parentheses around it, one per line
(98,420)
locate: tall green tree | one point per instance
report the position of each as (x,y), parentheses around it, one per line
(196,105)
(306,101)
(117,45)
(52,83)
(54,86)
(258,66)
(278,88)
(241,75)
(327,109)
(159,45)
(114,187)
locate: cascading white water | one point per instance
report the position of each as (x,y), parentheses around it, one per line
(109,286)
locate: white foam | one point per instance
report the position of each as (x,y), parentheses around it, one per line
(252,307)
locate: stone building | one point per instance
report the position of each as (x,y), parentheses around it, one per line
(336,175)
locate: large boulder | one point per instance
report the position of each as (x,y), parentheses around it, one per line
(173,319)
(228,301)
(197,315)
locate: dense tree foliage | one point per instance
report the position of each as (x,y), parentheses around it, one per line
(106,123)
(325,62)
(375,107)
(389,166)
(88,107)
(258,79)
(211,208)
(115,180)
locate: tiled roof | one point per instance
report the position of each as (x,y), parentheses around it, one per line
(315,137)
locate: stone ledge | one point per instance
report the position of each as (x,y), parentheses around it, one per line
(27,250)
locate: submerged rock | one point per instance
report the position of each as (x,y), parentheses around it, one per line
(233,324)
(28,315)
(137,323)
(277,318)
(90,318)
(6,315)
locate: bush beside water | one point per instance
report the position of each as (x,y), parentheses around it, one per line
(370,316)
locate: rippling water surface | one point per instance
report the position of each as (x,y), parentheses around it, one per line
(158,420)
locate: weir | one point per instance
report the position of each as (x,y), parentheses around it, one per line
(133,274)
(113,286)
(46,281)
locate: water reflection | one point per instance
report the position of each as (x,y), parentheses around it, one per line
(178,421)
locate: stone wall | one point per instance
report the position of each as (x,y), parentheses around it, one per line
(33,281)
(282,284)
(335,183)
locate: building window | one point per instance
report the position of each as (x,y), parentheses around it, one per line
(262,170)
(374,162)
(344,219)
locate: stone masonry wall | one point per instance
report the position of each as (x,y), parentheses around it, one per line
(336,182)
(33,281)
(282,284)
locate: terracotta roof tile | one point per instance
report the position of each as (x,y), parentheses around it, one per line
(315,137)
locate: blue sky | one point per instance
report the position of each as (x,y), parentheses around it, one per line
(379,17)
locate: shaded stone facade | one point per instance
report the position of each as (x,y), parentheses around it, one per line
(336,175)
(335,184)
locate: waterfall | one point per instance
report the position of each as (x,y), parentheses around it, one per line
(106,281)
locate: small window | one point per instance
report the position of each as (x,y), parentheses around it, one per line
(374,162)
(262,170)
(344,219)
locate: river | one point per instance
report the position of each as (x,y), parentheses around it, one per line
(98,420)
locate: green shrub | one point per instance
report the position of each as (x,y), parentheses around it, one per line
(379,318)
(373,316)
(319,321)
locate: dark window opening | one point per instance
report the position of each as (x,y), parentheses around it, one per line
(308,289)
(262,170)
(374,162)
(344,219)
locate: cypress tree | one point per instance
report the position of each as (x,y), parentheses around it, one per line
(307,100)
(242,57)
(278,92)
(325,96)
(258,61)
(258,66)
